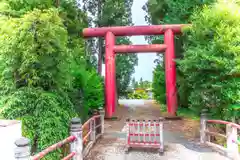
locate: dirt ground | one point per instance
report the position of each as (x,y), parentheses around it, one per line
(189,128)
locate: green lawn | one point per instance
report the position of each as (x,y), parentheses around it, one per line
(182,112)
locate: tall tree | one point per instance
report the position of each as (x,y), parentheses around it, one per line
(141,82)
(133,82)
(172,12)
(114,13)
(212,60)
(100,40)
(45,73)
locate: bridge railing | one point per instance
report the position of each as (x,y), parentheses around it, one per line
(81,140)
(231,136)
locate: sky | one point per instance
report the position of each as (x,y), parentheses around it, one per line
(145,60)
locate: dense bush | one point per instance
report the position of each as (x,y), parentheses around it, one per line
(113,13)
(33,50)
(93,92)
(124,68)
(171,12)
(211,59)
(158,85)
(45,76)
(207,76)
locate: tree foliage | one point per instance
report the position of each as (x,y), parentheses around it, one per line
(158,85)
(134,83)
(141,84)
(120,12)
(171,12)
(33,49)
(207,70)
(138,94)
(46,78)
(124,68)
(211,59)
(144,84)
(93,91)
(115,13)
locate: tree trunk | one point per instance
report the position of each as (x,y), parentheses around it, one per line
(99,40)
(100,56)
(57,3)
(116,93)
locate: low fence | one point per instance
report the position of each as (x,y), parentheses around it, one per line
(81,139)
(232,142)
(145,134)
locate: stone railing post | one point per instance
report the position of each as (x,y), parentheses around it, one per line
(97,122)
(77,145)
(22,151)
(93,130)
(161,141)
(102,113)
(127,136)
(203,126)
(232,146)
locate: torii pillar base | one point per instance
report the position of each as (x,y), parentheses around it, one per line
(175,117)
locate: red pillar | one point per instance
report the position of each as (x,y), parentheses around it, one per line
(114,84)
(170,71)
(109,74)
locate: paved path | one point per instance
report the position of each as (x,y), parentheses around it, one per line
(112,145)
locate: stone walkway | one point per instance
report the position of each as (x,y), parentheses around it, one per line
(111,146)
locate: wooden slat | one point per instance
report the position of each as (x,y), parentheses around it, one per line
(224,122)
(216,134)
(98,126)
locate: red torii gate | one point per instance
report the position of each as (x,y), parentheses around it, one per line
(111,49)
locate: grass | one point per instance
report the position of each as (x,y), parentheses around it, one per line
(187,113)
(188,125)
(182,112)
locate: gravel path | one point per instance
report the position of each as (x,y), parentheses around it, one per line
(111,146)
